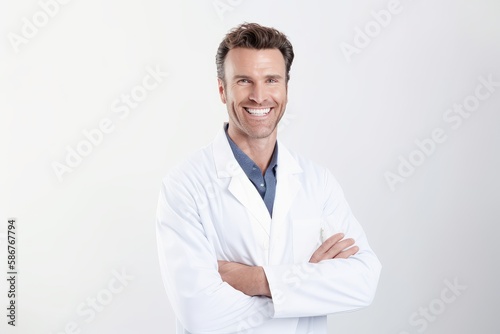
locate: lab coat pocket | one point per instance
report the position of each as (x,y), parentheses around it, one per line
(306,238)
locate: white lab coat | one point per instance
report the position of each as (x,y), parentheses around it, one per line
(209,210)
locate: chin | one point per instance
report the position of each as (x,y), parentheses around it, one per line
(263,133)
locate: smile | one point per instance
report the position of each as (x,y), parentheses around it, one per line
(257,111)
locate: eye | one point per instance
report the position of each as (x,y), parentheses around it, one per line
(243,81)
(272,80)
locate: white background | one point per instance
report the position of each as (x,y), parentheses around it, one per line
(357,117)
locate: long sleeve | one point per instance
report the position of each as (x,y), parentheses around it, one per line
(202,302)
(330,286)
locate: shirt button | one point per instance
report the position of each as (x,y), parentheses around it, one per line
(253,168)
(262,184)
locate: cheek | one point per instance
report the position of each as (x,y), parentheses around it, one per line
(238,96)
(280,97)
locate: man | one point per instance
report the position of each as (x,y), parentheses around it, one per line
(252,237)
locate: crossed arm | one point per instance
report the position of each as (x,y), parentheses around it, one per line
(252,280)
(339,276)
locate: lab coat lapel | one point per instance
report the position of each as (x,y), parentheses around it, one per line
(287,185)
(287,188)
(239,185)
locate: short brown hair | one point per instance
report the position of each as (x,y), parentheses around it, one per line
(254,36)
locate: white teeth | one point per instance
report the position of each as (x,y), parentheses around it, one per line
(258,112)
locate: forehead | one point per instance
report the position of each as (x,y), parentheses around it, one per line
(252,61)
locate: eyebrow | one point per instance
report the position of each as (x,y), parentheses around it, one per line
(269,76)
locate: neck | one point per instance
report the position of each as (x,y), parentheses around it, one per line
(260,150)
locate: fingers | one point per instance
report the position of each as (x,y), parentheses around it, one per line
(334,247)
(330,242)
(338,248)
(348,252)
(320,253)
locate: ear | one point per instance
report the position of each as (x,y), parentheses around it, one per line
(222,91)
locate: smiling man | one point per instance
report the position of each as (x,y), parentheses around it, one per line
(252,237)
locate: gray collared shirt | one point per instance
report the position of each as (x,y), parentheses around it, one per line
(265,184)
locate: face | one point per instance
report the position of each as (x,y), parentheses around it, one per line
(255,92)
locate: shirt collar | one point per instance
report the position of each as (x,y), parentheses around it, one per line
(244,160)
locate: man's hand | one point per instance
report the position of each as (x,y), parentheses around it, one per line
(335,247)
(250,280)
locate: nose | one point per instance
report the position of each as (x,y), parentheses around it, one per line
(258,93)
